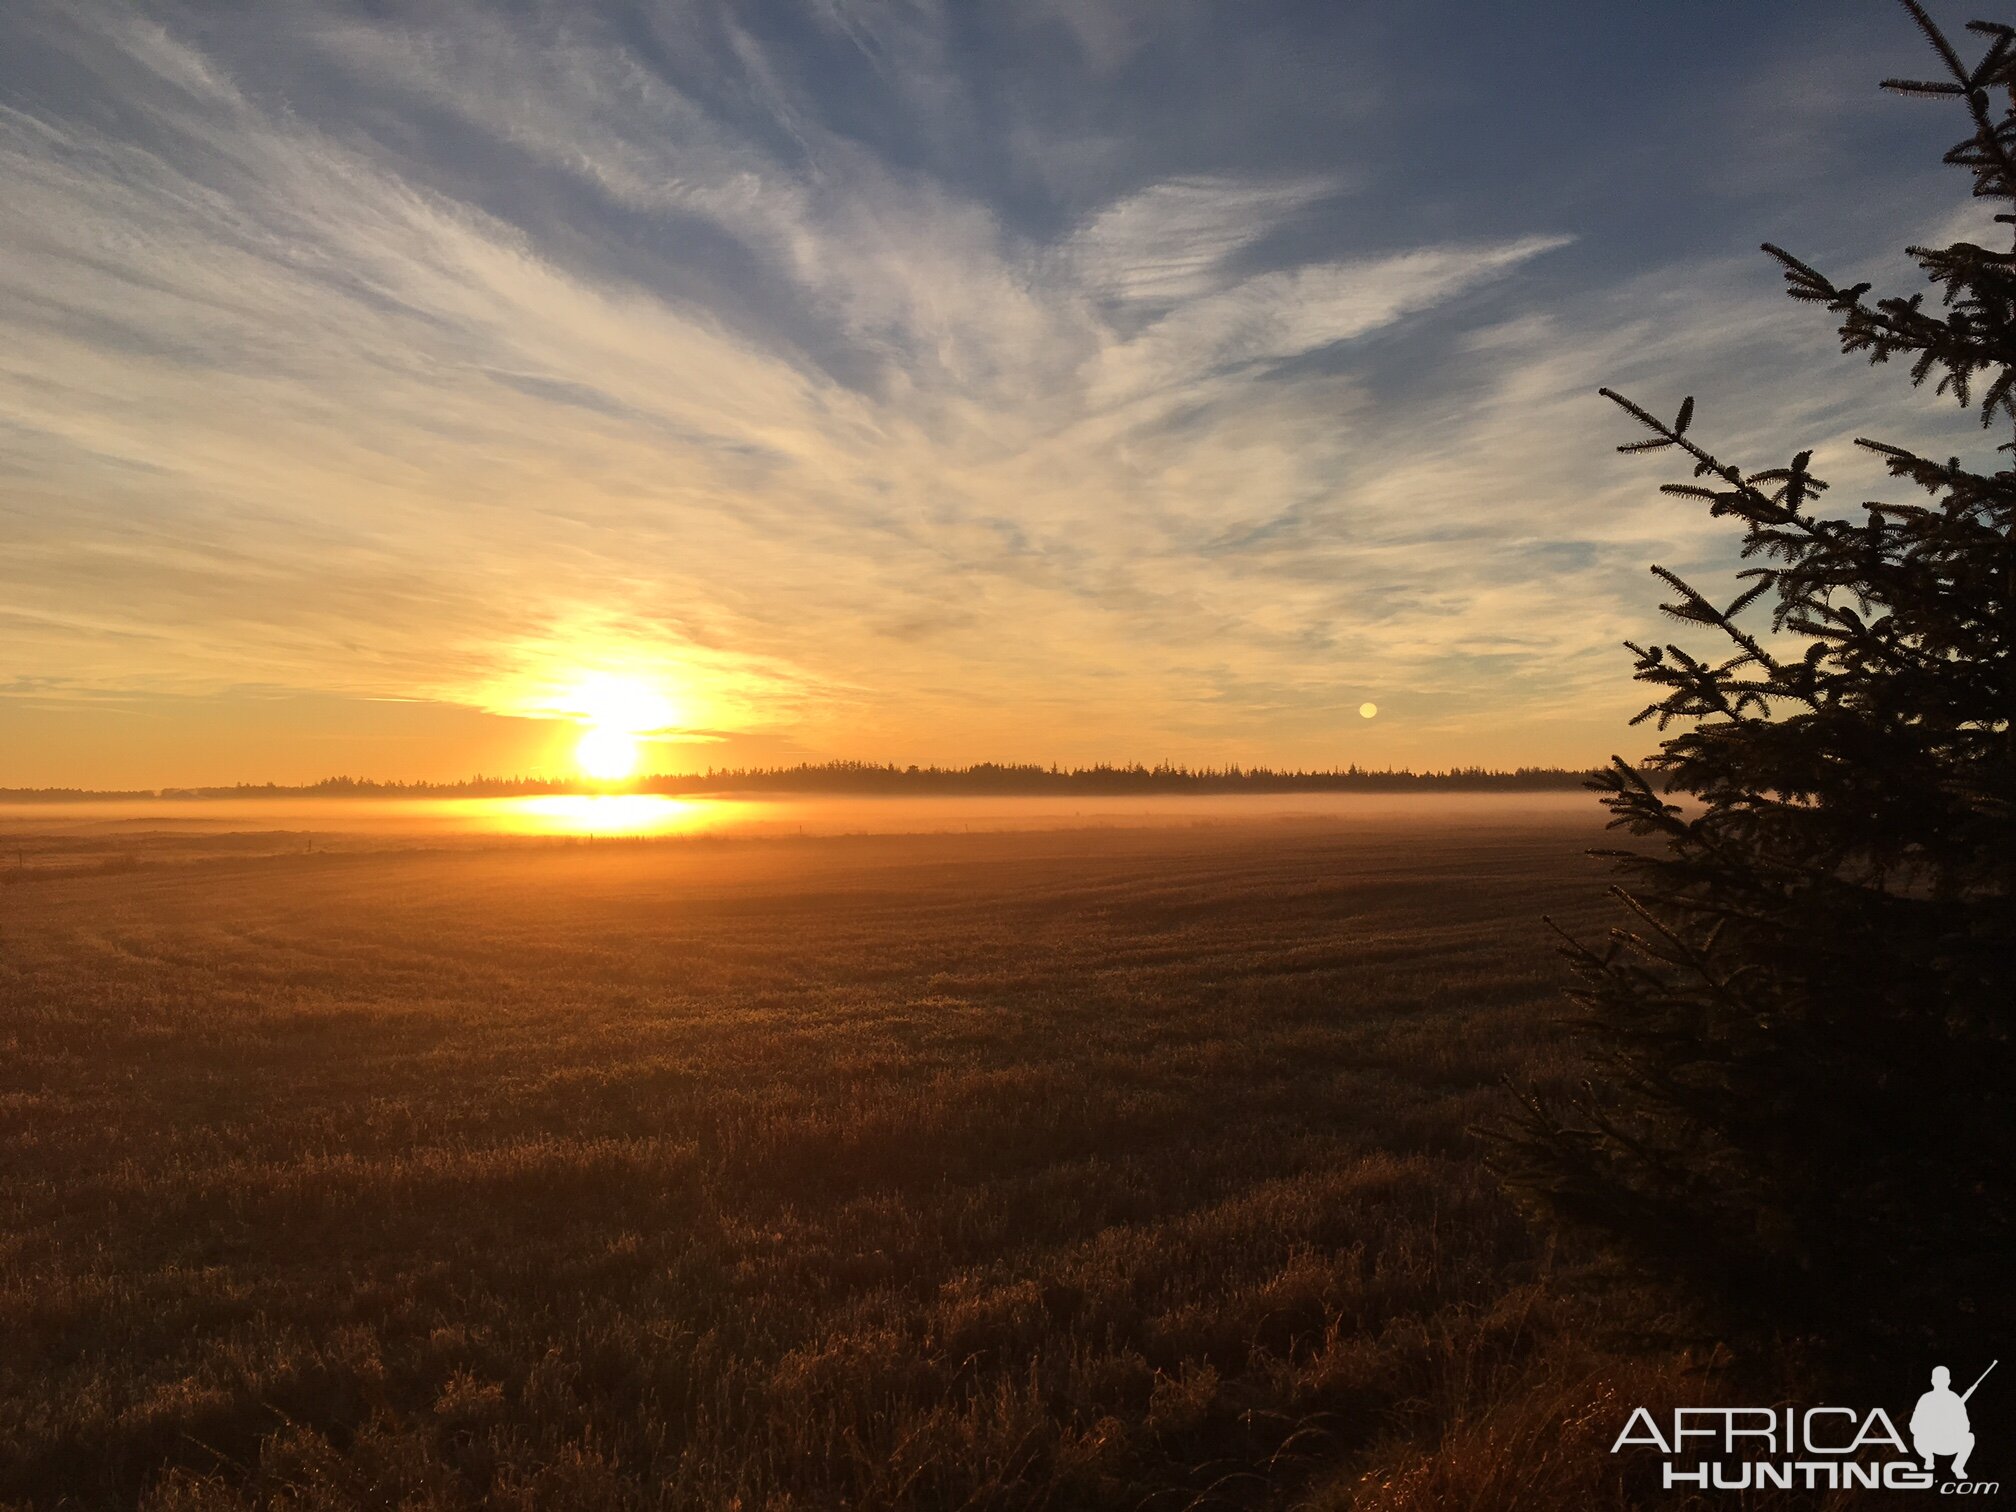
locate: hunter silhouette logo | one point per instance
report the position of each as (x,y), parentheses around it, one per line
(1825,1448)
(1939,1422)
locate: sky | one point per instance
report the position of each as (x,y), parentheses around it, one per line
(1050,380)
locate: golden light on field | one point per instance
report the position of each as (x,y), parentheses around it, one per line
(616,814)
(1367,710)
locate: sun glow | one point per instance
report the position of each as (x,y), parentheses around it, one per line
(620,713)
(607,755)
(610,702)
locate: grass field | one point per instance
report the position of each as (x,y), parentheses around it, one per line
(1076,1169)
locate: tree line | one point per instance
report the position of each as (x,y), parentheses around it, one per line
(987,778)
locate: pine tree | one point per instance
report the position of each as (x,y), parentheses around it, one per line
(1802,1108)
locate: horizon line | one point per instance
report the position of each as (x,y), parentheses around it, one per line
(843,775)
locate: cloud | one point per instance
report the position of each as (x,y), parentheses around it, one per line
(1274,316)
(1173,241)
(449,359)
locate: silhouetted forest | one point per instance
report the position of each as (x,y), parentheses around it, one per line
(863,777)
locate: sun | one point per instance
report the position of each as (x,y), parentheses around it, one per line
(607,754)
(619,715)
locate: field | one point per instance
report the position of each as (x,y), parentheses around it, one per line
(1073,1169)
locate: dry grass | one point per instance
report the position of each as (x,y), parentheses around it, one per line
(1104,1169)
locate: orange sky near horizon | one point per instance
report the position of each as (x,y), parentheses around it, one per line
(298,739)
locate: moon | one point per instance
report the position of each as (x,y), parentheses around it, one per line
(1367,710)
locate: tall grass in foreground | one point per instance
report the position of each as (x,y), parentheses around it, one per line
(1100,1170)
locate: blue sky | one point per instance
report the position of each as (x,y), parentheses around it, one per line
(1063,380)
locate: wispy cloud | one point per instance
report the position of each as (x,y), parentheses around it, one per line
(1175,241)
(1271,317)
